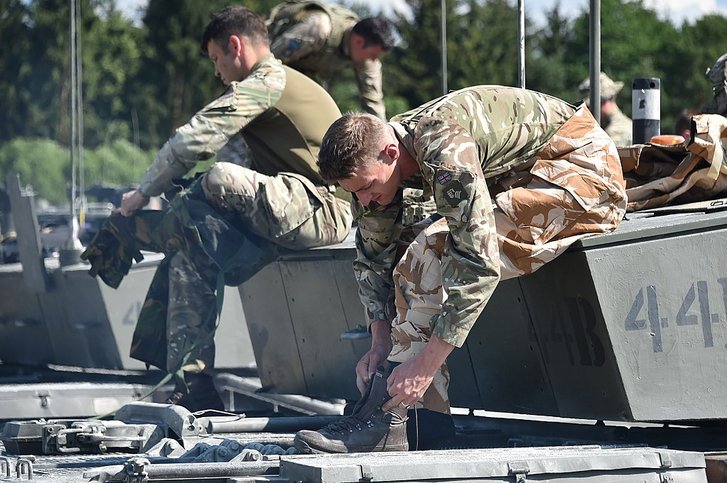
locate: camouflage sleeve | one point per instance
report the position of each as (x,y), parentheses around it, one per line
(213,126)
(302,39)
(470,262)
(378,229)
(369,78)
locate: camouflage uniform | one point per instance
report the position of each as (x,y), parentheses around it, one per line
(313,37)
(617,124)
(619,127)
(517,177)
(282,116)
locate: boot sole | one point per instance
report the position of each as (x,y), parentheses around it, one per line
(305,448)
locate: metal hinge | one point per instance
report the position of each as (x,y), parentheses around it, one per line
(520,470)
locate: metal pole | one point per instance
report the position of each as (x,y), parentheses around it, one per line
(74,91)
(594,46)
(70,253)
(443,39)
(81,194)
(521,38)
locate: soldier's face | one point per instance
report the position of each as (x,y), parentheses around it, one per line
(227,64)
(377,181)
(359,52)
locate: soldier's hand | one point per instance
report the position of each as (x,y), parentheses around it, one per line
(407,384)
(132,201)
(367,365)
(376,356)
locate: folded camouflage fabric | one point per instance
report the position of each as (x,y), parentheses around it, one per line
(667,175)
(118,243)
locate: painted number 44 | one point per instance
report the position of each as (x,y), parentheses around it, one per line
(644,313)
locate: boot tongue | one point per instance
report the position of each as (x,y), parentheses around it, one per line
(376,395)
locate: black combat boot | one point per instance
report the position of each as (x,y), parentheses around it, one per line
(368,428)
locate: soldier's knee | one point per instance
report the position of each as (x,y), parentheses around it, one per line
(226,185)
(214,180)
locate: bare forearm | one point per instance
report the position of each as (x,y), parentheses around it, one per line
(434,354)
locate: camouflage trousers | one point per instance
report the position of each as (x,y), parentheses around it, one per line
(574,188)
(287,210)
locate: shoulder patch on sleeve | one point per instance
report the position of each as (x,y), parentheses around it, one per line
(454,187)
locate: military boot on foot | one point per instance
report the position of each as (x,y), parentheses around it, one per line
(367,429)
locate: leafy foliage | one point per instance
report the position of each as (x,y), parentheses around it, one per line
(140,82)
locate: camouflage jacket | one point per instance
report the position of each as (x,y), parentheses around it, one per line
(462,142)
(281,113)
(313,37)
(619,128)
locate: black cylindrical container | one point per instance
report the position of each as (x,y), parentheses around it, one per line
(645,109)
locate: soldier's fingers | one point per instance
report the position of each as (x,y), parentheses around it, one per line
(362,376)
(361,384)
(393,403)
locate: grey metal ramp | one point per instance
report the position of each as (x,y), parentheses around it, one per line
(556,464)
(80,321)
(66,399)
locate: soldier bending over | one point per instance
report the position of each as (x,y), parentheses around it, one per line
(517,177)
(320,39)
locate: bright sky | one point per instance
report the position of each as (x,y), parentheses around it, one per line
(676,10)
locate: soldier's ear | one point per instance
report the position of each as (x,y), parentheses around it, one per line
(235,44)
(357,41)
(391,151)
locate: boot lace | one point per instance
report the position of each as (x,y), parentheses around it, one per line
(347,425)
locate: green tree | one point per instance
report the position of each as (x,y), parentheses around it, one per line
(632,39)
(548,68)
(697,48)
(112,53)
(414,68)
(176,79)
(482,44)
(41,163)
(15,31)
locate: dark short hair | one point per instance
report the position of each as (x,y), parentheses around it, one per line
(348,143)
(377,31)
(234,20)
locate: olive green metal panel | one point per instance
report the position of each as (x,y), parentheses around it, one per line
(626,326)
(271,331)
(574,341)
(296,311)
(665,306)
(504,358)
(77,322)
(569,464)
(80,321)
(24,337)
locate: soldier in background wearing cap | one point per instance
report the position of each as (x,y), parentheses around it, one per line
(613,120)
(321,39)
